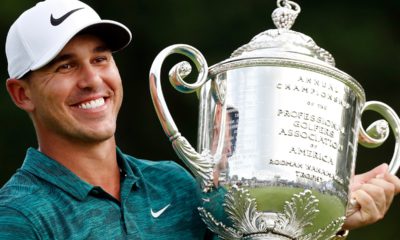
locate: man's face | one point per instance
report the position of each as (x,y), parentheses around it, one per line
(77,96)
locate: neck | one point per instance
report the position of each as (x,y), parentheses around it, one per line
(95,163)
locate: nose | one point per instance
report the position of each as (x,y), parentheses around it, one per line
(89,77)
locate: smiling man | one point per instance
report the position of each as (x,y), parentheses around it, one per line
(77,184)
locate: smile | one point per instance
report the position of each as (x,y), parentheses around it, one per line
(92,104)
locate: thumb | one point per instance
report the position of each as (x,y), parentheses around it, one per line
(381,169)
(365,177)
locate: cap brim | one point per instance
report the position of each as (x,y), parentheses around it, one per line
(114,34)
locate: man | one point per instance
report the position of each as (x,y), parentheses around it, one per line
(77,184)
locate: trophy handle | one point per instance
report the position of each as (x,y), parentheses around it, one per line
(378,131)
(201,165)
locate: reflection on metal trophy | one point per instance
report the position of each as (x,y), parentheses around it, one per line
(278,129)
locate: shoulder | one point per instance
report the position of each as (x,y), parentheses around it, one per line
(14,225)
(21,189)
(16,196)
(28,196)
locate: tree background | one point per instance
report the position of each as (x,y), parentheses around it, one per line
(363,37)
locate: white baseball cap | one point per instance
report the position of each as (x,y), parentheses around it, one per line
(41,32)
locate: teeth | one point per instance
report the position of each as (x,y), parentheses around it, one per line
(92,104)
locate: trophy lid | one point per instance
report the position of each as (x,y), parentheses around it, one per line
(283,42)
(285,47)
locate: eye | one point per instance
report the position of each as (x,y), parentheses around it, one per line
(100,59)
(64,67)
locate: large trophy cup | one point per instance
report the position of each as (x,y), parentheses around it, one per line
(278,130)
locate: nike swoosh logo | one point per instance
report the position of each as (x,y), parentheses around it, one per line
(159,212)
(58,21)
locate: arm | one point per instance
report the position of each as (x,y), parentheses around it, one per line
(15,226)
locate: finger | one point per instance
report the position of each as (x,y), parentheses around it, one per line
(367,213)
(381,169)
(352,207)
(377,194)
(381,191)
(365,177)
(386,186)
(394,180)
(368,206)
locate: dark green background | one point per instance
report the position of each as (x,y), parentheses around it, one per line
(363,37)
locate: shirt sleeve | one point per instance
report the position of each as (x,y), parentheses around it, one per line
(15,226)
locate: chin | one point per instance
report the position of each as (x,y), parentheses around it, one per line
(98,134)
(97,138)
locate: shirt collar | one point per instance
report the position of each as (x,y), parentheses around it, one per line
(55,173)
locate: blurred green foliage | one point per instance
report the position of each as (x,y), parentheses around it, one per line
(363,37)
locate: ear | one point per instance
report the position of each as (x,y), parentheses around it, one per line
(19,91)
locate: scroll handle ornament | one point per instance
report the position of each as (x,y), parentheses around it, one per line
(378,131)
(201,164)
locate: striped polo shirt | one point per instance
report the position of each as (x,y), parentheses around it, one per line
(45,200)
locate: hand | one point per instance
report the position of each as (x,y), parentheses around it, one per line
(373,192)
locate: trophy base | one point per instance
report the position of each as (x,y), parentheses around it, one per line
(250,224)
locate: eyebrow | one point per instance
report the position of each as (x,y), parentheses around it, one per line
(67,56)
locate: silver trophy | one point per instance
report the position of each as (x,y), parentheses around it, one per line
(278,129)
